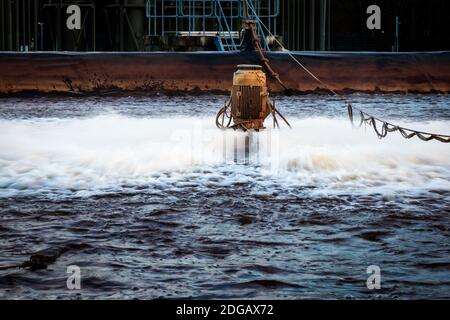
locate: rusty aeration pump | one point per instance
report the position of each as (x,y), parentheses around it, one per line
(249,105)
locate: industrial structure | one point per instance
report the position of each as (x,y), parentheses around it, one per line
(215,25)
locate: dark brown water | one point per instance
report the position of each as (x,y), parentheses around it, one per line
(150,200)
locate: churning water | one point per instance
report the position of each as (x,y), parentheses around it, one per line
(151,200)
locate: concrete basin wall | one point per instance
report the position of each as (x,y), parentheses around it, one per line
(197,72)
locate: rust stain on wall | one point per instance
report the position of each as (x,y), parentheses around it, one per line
(199,72)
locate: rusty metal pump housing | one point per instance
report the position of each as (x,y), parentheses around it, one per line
(249,105)
(249,96)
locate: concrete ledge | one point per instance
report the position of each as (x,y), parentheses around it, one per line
(198,72)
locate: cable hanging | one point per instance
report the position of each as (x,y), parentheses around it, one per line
(387,127)
(365,118)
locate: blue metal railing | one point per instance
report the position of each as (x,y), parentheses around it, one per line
(230,39)
(204,16)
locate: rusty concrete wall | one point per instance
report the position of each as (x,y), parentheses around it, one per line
(154,72)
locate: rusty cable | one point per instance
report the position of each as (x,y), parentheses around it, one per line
(274,116)
(279,113)
(223,113)
(265,62)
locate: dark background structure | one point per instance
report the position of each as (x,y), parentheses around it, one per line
(304,25)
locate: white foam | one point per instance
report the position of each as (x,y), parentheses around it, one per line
(111,150)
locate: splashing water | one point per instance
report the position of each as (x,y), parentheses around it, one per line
(151,200)
(57,155)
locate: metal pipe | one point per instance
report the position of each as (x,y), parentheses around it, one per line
(304,26)
(297,27)
(312,12)
(294,25)
(275,18)
(289,27)
(323,8)
(203,21)
(397,45)
(121,37)
(189,19)
(329,25)
(29,23)
(282,24)
(17,26)
(94,28)
(245,10)
(58,26)
(35,24)
(154,20)
(41,25)
(2,25)
(231,14)
(24,33)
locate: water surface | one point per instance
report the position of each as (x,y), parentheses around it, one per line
(150,200)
